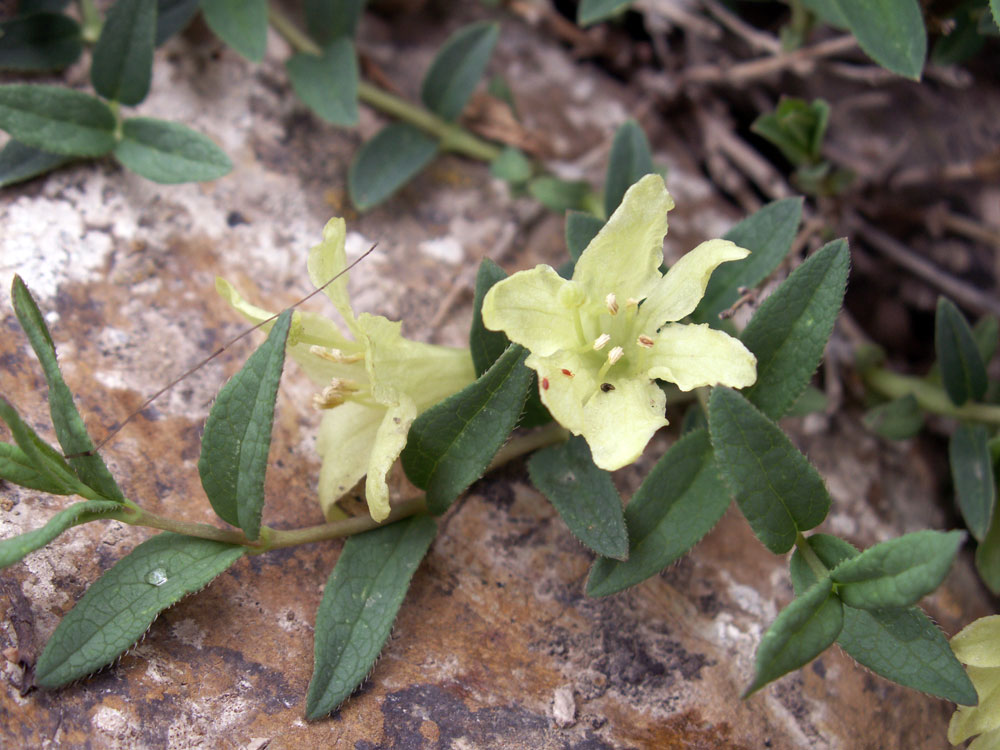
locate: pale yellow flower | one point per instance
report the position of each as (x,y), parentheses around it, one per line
(978,647)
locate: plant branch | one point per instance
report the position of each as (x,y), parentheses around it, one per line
(930,397)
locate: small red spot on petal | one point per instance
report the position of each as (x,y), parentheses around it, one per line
(545,384)
(567,373)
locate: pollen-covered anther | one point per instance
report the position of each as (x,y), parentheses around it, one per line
(612,303)
(328,398)
(645,341)
(335,355)
(615,354)
(601,341)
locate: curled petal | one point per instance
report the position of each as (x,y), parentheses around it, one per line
(389,442)
(620,418)
(680,290)
(326,260)
(528,307)
(696,355)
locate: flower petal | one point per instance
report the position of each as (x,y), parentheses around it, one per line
(531,308)
(346,437)
(389,442)
(618,422)
(978,643)
(987,741)
(696,355)
(680,290)
(625,256)
(565,382)
(326,260)
(984,717)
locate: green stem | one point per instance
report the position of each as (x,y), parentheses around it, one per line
(812,559)
(92,21)
(452,137)
(930,397)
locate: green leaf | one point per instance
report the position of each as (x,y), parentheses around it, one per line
(237,436)
(797,128)
(583,494)
(899,419)
(360,602)
(387,162)
(57,120)
(678,503)
(327,20)
(242,24)
(17,467)
(777,489)
(768,235)
(41,457)
(800,633)
(499,88)
(559,195)
(581,228)
(986,332)
(592,11)
(31,7)
(899,572)
(15,549)
(66,420)
(811,401)
(902,644)
(168,152)
(19,162)
(995,10)
(789,330)
(828,12)
(172,16)
(961,38)
(457,68)
(630,160)
(43,41)
(511,166)
(118,609)
(972,473)
(328,84)
(962,370)
(122,65)
(891,32)
(988,556)
(451,444)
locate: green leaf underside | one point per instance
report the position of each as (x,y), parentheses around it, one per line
(169,153)
(58,120)
(121,605)
(328,84)
(790,329)
(485,345)
(18,468)
(19,162)
(679,502)
(387,162)
(328,19)
(42,456)
(592,11)
(512,166)
(768,235)
(242,24)
(237,438)
(777,489)
(122,65)
(451,444)
(14,550)
(66,420)
(898,572)
(172,16)
(891,32)
(581,228)
(630,159)
(457,68)
(972,473)
(901,644)
(360,602)
(800,633)
(583,494)
(44,41)
(898,419)
(962,370)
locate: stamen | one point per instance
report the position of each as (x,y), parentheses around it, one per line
(601,341)
(645,341)
(328,398)
(335,355)
(615,354)
(612,303)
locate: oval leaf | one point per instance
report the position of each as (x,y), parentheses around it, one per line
(17,467)
(387,162)
(237,437)
(899,572)
(800,633)
(972,473)
(678,503)
(66,420)
(988,556)
(328,19)
(899,419)
(457,68)
(592,11)
(328,84)
(777,489)
(118,609)
(43,41)
(13,550)
(789,331)
(451,444)
(559,195)
(242,24)
(630,160)
(19,162)
(581,228)
(890,31)
(360,602)
(172,16)
(168,152)
(962,370)
(512,166)
(58,120)
(122,66)
(583,494)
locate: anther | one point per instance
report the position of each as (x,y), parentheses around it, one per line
(335,355)
(645,341)
(601,341)
(615,354)
(612,303)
